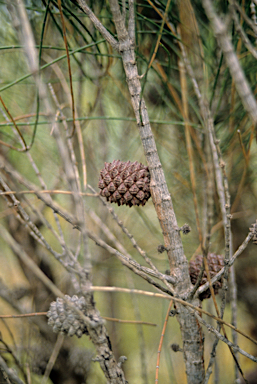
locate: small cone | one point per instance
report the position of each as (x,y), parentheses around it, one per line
(125,183)
(65,320)
(215,263)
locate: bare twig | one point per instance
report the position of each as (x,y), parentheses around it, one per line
(154,272)
(161,342)
(184,92)
(11,376)
(104,317)
(233,290)
(17,129)
(159,36)
(231,262)
(233,64)
(244,16)
(69,66)
(98,25)
(165,278)
(45,191)
(53,357)
(126,260)
(225,340)
(253,15)
(223,190)
(92,319)
(15,358)
(175,299)
(243,35)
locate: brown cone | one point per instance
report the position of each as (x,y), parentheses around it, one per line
(125,183)
(215,263)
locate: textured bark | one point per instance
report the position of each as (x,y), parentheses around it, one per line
(190,328)
(99,336)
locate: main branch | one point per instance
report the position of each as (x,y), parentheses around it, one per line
(190,327)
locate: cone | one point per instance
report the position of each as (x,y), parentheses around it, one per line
(64,320)
(125,183)
(215,263)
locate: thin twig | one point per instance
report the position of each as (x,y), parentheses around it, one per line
(184,303)
(72,174)
(119,246)
(161,342)
(231,262)
(16,360)
(48,191)
(98,25)
(17,129)
(164,278)
(220,30)
(92,319)
(69,66)
(159,36)
(184,92)
(104,317)
(24,218)
(11,375)
(233,290)
(56,350)
(244,16)
(243,35)
(224,339)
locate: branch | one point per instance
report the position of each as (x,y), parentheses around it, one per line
(160,195)
(11,375)
(236,348)
(177,300)
(232,61)
(92,319)
(125,259)
(231,262)
(243,35)
(98,25)
(165,278)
